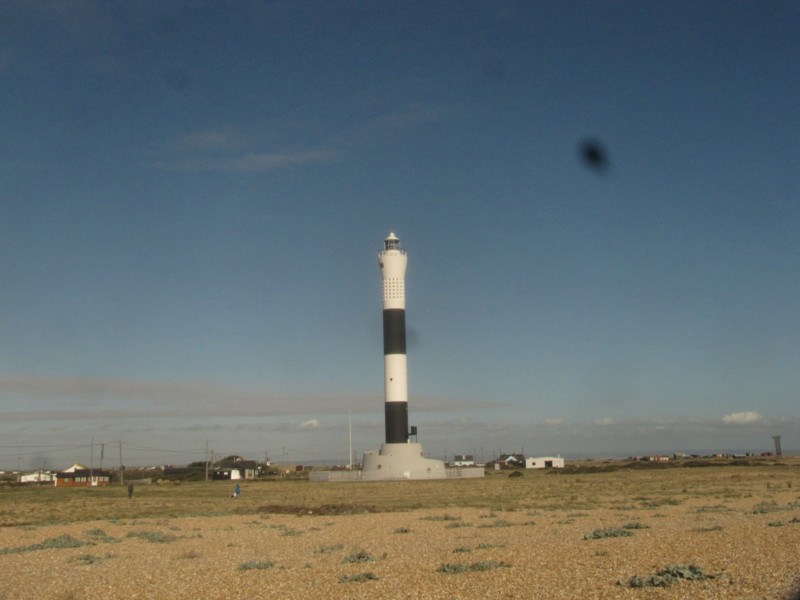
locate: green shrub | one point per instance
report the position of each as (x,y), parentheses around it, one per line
(670,575)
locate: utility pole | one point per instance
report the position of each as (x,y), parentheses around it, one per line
(121,466)
(91,462)
(350,435)
(206,460)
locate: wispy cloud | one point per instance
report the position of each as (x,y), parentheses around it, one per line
(270,161)
(251,162)
(229,148)
(604,421)
(553,421)
(37,398)
(209,139)
(48,399)
(410,117)
(310,424)
(742,418)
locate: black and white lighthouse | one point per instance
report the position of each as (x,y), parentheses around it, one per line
(399,457)
(392,260)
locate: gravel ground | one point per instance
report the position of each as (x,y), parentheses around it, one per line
(745,550)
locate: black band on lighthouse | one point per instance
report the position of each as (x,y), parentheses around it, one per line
(396,422)
(394,331)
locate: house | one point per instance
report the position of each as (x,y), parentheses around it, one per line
(509,461)
(463,460)
(544,462)
(79,475)
(235,467)
(37,477)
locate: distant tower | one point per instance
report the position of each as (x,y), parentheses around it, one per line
(392,260)
(777,440)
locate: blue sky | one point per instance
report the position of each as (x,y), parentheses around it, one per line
(193,195)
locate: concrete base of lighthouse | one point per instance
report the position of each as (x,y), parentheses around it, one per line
(400,461)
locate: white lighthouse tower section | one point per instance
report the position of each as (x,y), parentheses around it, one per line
(393,260)
(396,379)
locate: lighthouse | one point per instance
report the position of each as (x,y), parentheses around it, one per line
(398,458)
(392,260)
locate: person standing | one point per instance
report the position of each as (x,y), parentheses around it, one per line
(237,491)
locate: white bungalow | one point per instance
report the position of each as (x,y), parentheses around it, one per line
(36,477)
(544,462)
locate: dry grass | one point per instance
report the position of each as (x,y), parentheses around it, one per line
(294,539)
(631,489)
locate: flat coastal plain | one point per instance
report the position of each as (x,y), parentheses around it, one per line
(708,532)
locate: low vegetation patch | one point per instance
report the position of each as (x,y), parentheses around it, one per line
(402,530)
(324,509)
(776,524)
(497,523)
(329,549)
(484,565)
(763,508)
(670,575)
(99,535)
(361,577)
(88,559)
(635,525)
(610,532)
(62,541)
(256,564)
(154,537)
(714,508)
(440,518)
(359,557)
(658,502)
(289,532)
